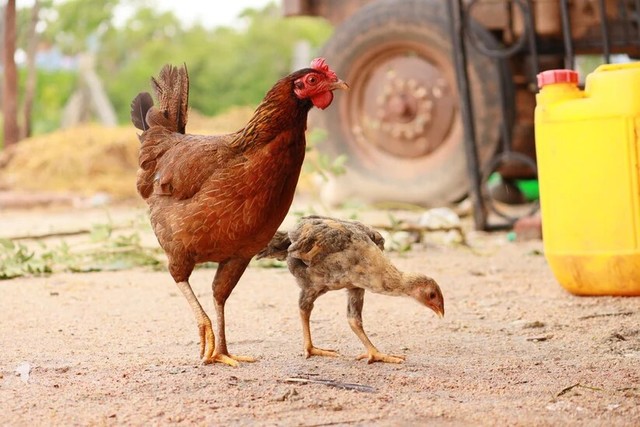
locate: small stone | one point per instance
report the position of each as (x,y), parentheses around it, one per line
(23,370)
(528,228)
(534,324)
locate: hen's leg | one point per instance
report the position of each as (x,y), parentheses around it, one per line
(207,340)
(307,297)
(227,276)
(180,268)
(354,314)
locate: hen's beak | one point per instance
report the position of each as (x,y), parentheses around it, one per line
(339,85)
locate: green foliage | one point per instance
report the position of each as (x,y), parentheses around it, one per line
(106,251)
(334,166)
(53,91)
(77,25)
(397,240)
(322,163)
(228,67)
(17,260)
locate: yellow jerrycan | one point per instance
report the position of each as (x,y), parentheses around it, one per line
(588,154)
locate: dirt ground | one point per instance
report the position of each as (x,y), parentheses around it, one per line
(121,348)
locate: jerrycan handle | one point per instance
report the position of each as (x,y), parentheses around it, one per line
(557,76)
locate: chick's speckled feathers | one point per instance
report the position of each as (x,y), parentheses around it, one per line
(326,254)
(317,237)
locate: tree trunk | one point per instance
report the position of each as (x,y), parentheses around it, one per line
(10,92)
(30,89)
(2,10)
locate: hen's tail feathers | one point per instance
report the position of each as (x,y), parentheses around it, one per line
(172,92)
(140,105)
(277,247)
(156,121)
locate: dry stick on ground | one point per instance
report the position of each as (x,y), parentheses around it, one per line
(332,383)
(593,316)
(61,233)
(49,235)
(577,385)
(343,422)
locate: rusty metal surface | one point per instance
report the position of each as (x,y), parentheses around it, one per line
(403,105)
(335,11)
(585,17)
(403,111)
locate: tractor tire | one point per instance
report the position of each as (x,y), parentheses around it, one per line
(400,124)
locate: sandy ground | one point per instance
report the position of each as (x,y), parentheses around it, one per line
(120,348)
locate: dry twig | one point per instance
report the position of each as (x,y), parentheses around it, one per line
(593,316)
(333,383)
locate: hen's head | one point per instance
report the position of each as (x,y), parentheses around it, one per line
(318,83)
(427,292)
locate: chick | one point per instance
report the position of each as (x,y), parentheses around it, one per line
(326,254)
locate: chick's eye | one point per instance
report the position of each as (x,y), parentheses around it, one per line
(432,295)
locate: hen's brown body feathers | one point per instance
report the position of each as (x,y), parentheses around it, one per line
(214,197)
(326,254)
(218,197)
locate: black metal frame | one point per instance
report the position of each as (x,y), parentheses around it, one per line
(460,16)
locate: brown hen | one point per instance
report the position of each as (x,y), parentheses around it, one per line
(221,198)
(327,254)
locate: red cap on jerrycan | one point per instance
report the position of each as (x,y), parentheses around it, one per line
(557,76)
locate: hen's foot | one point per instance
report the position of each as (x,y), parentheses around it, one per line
(207,341)
(314,351)
(227,359)
(376,356)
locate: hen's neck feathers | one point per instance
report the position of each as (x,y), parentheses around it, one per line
(280,110)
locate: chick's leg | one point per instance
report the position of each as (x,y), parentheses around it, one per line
(207,339)
(227,276)
(354,314)
(307,297)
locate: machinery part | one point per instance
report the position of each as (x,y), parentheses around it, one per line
(400,123)
(507,192)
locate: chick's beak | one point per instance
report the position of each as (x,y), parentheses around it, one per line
(339,84)
(439,310)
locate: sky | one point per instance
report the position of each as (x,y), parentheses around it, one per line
(210,13)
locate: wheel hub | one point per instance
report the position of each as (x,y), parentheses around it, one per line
(406,107)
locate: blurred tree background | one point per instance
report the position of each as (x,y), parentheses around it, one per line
(229,66)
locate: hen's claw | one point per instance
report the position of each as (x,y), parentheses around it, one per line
(247,359)
(227,359)
(314,351)
(207,341)
(376,356)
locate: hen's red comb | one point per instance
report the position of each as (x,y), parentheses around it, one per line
(321,65)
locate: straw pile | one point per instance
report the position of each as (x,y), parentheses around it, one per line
(92,158)
(84,160)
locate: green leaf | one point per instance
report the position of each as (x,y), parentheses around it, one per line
(7,244)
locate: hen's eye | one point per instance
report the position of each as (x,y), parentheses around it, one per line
(312,80)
